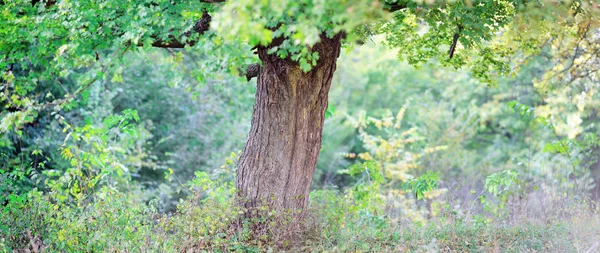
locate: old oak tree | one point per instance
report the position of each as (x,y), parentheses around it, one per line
(290,46)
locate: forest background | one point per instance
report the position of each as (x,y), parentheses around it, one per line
(420,158)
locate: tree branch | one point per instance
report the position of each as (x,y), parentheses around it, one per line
(68,97)
(201,26)
(455,41)
(391,7)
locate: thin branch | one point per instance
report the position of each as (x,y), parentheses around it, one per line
(455,40)
(68,97)
(82,89)
(575,54)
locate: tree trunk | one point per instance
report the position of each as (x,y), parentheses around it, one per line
(277,165)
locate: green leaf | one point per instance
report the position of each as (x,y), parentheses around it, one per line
(329,111)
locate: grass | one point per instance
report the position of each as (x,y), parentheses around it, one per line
(333,223)
(464,237)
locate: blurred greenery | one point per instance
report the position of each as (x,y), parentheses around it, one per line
(114,148)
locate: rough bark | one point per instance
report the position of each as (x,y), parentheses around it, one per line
(277,165)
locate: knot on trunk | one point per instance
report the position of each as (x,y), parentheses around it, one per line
(252,71)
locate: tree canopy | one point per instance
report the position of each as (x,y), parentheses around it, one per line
(46,42)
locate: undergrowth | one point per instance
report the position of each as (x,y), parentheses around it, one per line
(333,222)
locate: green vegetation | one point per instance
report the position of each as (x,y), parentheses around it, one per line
(174,126)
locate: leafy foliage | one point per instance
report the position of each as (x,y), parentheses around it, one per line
(421,185)
(101,136)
